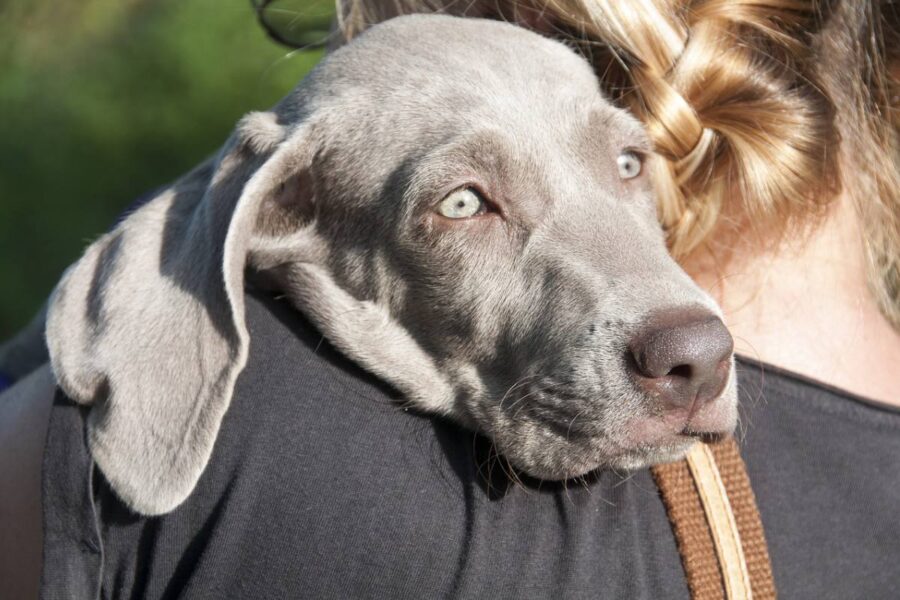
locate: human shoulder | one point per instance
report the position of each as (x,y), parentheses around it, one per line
(24,411)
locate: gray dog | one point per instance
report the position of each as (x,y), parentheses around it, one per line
(457,208)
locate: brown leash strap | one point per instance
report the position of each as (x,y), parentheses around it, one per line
(716,523)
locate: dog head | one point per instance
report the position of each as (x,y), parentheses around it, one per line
(458,209)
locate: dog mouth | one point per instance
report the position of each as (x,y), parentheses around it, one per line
(554,438)
(707,437)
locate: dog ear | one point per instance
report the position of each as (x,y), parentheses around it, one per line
(148,328)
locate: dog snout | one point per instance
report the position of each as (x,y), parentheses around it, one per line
(682,358)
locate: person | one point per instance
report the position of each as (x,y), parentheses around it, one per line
(780,193)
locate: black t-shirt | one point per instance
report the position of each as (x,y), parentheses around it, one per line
(321,486)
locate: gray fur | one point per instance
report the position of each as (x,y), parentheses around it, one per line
(513,325)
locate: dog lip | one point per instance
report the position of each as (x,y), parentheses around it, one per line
(711,433)
(711,422)
(707,437)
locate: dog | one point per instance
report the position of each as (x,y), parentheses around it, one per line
(455,205)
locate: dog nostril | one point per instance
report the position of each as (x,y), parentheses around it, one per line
(684,371)
(681,357)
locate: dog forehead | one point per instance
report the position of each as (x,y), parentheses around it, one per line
(450,40)
(410,60)
(417,79)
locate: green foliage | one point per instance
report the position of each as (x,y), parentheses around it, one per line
(103,100)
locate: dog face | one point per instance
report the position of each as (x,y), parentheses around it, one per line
(470,220)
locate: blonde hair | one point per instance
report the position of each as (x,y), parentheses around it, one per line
(754,106)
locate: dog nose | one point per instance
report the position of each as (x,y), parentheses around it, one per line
(682,357)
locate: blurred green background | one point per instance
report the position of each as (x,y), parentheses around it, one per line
(103,100)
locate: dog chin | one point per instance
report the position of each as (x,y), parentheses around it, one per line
(656,441)
(627,460)
(640,458)
(572,460)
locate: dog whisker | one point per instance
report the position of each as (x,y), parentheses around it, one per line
(545,388)
(518,383)
(569,429)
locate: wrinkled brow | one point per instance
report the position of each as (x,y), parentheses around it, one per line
(489,152)
(487,157)
(507,169)
(619,128)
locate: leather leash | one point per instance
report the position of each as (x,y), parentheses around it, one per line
(716,522)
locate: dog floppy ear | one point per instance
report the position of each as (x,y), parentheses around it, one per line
(148,327)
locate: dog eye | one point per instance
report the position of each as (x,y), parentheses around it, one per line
(629,164)
(462,203)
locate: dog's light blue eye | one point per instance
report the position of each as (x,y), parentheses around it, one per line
(461,204)
(629,164)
